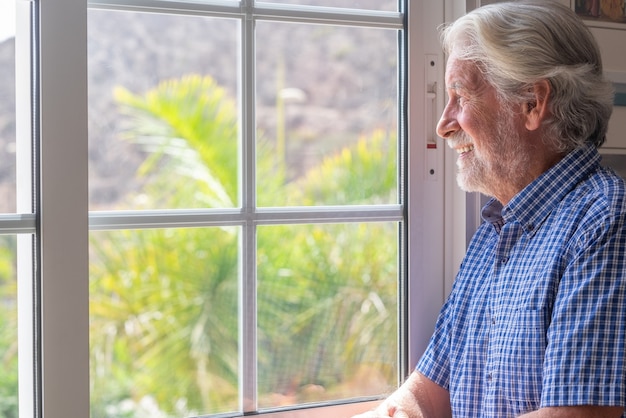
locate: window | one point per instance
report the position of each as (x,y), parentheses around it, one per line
(17,221)
(223,222)
(8,252)
(247,235)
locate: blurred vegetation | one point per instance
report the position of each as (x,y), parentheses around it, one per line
(164,313)
(8,328)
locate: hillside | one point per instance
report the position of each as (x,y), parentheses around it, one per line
(335,76)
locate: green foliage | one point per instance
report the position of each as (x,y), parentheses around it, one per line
(164,315)
(8,389)
(189,128)
(164,302)
(327,300)
(8,329)
(365,173)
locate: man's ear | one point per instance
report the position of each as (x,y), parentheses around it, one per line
(536,109)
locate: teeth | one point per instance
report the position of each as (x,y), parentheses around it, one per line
(465,149)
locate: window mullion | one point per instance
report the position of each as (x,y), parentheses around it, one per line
(63,206)
(24,177)
(326,15)
(224,8)
(247,305)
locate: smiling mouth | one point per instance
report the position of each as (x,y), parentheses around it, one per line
(465,149)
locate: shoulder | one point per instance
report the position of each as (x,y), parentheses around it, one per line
(598,201)
(609,188)
(607,185)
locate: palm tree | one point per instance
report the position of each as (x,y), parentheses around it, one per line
(164,301)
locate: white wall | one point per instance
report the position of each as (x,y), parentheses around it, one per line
(612,43)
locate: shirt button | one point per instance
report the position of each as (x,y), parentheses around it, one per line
(489,377)
(503,260)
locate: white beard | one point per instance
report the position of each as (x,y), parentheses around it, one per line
(499,167)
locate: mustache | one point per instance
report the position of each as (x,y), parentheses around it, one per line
(458,139)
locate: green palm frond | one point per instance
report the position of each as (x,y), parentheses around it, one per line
(188,127)
(164,302)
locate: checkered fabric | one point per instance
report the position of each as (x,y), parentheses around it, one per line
(537,314)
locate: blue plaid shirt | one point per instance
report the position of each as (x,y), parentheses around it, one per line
(537,313)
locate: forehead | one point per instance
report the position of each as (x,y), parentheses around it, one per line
(464,74)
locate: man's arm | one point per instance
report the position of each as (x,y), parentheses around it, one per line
(418,397)
(584,411)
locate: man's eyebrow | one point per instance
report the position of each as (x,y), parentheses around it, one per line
(455,86)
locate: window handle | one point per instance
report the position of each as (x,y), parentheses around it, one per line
(431,68)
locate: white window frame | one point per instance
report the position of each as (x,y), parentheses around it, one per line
(51,116)
(53,297)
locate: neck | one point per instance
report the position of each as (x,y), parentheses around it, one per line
(536,164)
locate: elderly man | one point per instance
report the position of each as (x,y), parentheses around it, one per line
(535,325)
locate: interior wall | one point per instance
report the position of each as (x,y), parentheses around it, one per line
(612,42)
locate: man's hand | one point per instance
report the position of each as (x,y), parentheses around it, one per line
(371,414)
(418,397)
(384,411)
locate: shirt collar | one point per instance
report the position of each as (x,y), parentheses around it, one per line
(533,204)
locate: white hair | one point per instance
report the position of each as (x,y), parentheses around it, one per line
(517,44)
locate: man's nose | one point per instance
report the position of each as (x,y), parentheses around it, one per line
(447,124)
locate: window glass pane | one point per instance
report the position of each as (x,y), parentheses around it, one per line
(163,130)
(8,327)
(7,106)
(386,5)
(327,111)
(164,322)
(327,312)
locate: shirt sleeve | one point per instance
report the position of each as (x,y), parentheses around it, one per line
(434,363)
(584,358)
